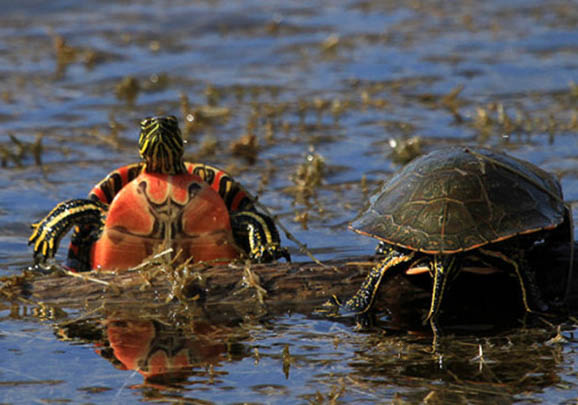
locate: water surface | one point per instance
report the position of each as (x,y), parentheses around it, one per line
(345,84)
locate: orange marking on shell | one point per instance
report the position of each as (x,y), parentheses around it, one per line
(237,200)
(98,193)
(123,172)
(217,183)
(190,167)
(451,251)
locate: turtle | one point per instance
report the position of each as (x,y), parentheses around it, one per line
(198,208)
(455,208)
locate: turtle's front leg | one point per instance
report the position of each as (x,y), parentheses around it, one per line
(362,301)
(257,235)
(443,268)
(48,232)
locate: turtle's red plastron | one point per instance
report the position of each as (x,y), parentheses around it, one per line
(179,212)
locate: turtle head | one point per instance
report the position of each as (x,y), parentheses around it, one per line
(160,145)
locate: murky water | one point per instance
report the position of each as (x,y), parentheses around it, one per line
(353,85)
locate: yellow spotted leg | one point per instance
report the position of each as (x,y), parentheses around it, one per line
(48,232)
(527,286)
(363,299)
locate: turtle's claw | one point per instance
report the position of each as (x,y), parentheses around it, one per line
(269,253)
(43,265)
(39,240)
(41,259)
(330,307)
(351,308)
(283,252)
(43,248)
(334,307)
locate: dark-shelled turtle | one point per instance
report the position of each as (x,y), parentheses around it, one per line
(460,207)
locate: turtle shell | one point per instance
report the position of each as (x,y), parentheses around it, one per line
(181,210)
(457,199)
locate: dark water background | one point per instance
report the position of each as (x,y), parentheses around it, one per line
(333,85)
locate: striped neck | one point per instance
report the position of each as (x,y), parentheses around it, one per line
(161,145)
(164,167)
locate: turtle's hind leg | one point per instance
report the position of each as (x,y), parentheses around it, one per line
(80,247)
(528,287)
(363,299)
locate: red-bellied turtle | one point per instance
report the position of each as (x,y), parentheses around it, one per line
(193,207)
